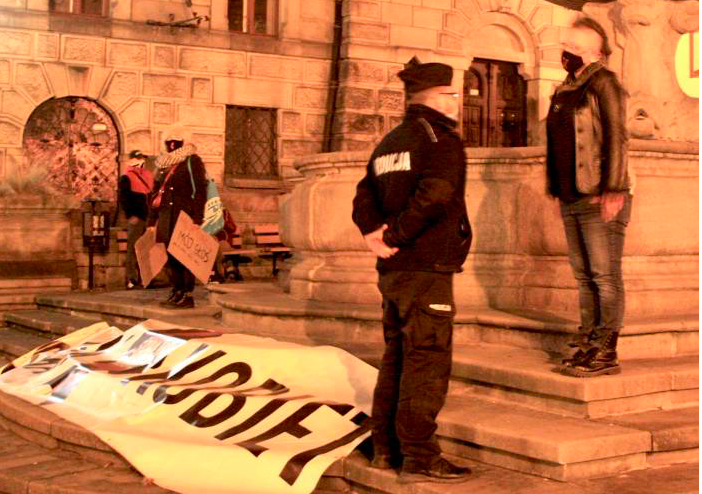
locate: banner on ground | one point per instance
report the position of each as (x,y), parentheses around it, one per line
(151,256)
(193,247)
(198,411)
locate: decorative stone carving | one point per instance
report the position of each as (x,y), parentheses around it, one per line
(163,113)
(220,62)
(164,57)
(646,33)
(284,68)
(30,77)
(48,45)
(136,114)
(209,144)
(123,86)
(15,43)
(165,86)
(13,103)
(128,54)
(201,115)
(4,71)
(9,133)
(84,50)
(201,88)
(140,139)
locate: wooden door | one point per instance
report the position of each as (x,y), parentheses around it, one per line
(494,105)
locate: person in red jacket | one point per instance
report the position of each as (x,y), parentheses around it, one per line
(181,185)
(134,189)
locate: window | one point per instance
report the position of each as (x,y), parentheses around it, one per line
(251,150)
(89,7)
(252,16)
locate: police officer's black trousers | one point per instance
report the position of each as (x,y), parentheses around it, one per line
(181,278)
(418,312)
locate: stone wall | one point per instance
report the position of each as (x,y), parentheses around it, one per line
(381,35)
(519,256)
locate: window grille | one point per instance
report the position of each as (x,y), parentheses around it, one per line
(251,137)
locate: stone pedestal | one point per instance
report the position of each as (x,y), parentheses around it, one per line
(519,256)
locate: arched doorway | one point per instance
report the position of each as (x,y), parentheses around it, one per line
(77,140)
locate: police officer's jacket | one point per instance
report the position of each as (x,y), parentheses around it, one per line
(415,183)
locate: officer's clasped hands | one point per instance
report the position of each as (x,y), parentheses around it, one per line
(374,241)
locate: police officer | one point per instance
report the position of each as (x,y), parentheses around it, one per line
(410,208)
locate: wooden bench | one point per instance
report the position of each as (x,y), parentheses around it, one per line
(269,245)
(236,255)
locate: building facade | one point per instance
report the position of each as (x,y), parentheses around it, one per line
(258,84)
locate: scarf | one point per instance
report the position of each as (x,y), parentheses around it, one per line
(166,160)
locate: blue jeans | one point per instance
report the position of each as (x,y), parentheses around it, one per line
(595,250)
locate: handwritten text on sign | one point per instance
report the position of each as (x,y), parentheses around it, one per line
(194,248)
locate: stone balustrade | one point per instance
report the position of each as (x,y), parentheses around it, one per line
(519,255)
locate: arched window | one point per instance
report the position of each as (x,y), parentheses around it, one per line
(78,143)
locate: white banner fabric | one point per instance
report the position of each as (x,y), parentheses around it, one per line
(199,411)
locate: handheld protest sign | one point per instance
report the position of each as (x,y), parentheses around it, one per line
(151,256)
(193,247)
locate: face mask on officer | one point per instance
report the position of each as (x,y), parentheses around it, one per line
(571,62)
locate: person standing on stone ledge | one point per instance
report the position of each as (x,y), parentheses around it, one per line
(587,170)
(134,189)
(181,185)
(410,208)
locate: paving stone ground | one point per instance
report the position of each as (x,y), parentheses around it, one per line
(27,468)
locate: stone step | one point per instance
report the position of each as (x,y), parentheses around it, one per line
(538,443)
(14,343)
(528,379)
(44,321)
(125,308)
(19,293)
(486,479)
(274,313)
(30,465)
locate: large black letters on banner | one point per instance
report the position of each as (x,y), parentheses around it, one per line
(294,466)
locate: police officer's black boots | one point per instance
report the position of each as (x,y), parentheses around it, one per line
(600,360)
(440,470)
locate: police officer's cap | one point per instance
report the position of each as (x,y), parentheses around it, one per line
(419,76)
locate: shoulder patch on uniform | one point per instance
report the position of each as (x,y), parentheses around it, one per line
(393,162)
(427,126)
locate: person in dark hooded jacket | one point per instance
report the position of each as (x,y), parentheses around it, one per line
(181,185)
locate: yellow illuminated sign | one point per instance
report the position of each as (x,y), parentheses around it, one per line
(687,64)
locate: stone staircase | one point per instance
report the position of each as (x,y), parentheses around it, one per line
(19,293)
(506,407)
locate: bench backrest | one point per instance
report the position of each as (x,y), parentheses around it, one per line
(236,241)
(267,235)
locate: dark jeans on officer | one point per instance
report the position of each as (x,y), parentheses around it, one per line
(181,278)
(418,312)
(595,250)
